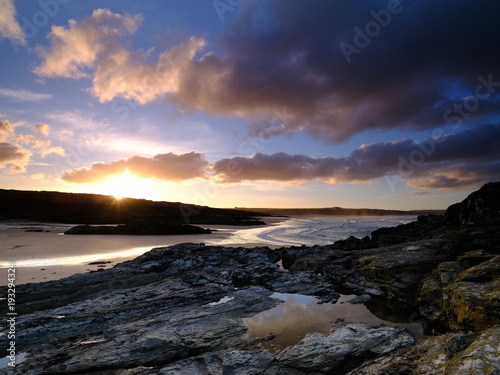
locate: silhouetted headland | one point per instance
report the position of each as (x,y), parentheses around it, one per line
(137,216)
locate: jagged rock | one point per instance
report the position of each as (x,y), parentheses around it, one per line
(178,309)
(425,227)
(482,207)
(464,293)
(348,345)
(452,353)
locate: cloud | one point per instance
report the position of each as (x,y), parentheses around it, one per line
(23,95)
(286,55)
(9,28)
(42,146)
(417,194)
(42,129)
(38,176)
(463,160)
(10,153)
(172,167)
(94,48)
(75,49)
(6,130)
(14,155)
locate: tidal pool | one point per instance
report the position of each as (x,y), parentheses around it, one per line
(299,315)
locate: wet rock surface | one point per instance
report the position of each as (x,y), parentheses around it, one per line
(179,309)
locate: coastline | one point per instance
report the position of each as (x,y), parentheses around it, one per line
(433,283)
(47,254)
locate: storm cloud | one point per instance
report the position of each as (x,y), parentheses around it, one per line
(466,159)
(291,56)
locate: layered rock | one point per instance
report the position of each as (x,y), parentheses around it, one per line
(179,309)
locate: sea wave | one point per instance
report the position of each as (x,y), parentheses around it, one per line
(316,231)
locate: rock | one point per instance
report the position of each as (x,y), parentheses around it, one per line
(481,208)
(398,270)
(424,227)
(481,357)
(245,362)
(98,263)
(452,353)
(347,346)
(146,228)
(464,293)
(361,299)
(179,309)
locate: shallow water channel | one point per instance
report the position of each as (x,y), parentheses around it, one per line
(299,315)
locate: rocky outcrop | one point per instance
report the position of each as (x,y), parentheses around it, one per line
(179,309)
(149,229)
(451,353)
(347,346)
(481,208)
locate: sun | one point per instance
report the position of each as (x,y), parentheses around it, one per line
(127,185)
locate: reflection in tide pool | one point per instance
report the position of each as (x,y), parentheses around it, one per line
(299,315)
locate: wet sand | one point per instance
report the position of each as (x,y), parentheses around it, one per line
(41,252)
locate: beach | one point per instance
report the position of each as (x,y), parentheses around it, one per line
(41,251)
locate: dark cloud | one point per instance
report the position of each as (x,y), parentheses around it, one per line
(287,55)
(466,159)
(284,66)
(14,155)
(172,167)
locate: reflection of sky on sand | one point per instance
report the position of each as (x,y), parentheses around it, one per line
(291,320)
(59,261)
(44,244)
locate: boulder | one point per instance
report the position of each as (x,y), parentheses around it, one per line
(347,346)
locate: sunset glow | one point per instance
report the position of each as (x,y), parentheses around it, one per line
(379,105)
(127,185)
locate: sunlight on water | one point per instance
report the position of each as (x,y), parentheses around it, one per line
(315,231)
(76,259)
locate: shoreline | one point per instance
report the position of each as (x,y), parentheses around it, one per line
(47,254)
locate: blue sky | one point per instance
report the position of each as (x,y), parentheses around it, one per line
(388,104)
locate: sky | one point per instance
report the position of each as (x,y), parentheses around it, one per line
(273,103)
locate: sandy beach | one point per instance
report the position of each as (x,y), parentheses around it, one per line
(41,252)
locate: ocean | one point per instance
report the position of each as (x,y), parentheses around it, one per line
(41,252)
(315,230)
